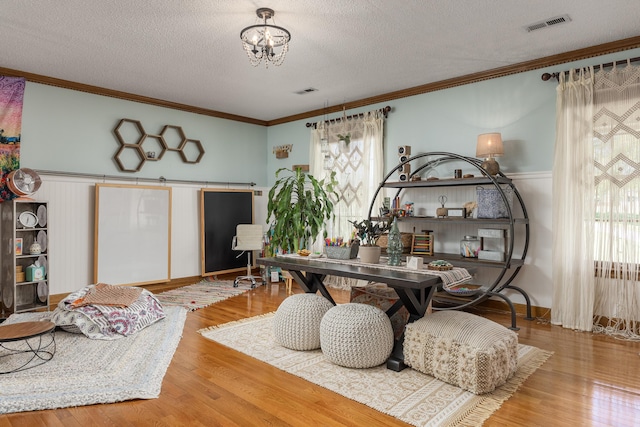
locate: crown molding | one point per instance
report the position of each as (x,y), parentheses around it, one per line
(535,64)
(574,55)
(96,90)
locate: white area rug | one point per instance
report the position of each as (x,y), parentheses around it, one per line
(409,395)
(85,371)
(202,294)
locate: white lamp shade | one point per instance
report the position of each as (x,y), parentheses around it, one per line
(489,145)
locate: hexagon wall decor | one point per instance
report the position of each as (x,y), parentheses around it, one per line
(137,146)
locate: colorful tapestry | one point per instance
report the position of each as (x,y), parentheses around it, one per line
(11,96)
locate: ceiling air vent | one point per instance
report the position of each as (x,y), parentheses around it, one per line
(307,90)
(563,19)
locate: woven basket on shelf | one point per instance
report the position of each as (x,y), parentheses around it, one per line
(406,238)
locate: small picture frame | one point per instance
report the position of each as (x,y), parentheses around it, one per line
(456,212)
(18,247)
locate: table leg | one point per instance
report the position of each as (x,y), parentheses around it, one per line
(416,301)
(312,283)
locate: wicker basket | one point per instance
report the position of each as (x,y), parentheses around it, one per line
(439,265)
(406,238)
(341,252)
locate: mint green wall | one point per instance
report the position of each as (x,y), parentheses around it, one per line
(71,131)
(520,106)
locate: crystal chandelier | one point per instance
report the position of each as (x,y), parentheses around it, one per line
(265,41)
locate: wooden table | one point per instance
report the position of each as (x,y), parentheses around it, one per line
(414,289)
(34,338)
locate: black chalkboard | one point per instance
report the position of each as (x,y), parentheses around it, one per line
(220,212)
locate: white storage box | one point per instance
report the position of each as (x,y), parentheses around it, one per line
(491,233)
(491,255)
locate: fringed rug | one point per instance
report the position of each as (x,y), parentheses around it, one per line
(202,294)
(85,371)
(409,395)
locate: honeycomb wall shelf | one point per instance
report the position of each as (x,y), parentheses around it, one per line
(137,146)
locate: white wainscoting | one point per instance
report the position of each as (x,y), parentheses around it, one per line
(71,232)
(71,229)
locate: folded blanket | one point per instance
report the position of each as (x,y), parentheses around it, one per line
(106,322)
(103,294)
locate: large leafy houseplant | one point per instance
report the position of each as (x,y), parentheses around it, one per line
(299,205)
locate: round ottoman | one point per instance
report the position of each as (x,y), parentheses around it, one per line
(296,324)
(356,335)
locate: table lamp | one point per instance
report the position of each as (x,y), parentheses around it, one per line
(490,146)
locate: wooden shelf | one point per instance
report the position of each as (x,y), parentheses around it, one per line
(446,182)
(463,262)
(503,222)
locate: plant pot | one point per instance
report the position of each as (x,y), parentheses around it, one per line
(370,254)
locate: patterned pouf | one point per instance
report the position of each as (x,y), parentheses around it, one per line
(356,336)
(462,349)
(296,323)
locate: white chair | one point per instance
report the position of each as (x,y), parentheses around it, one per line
(248,238)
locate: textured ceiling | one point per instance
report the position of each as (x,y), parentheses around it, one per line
(189,52)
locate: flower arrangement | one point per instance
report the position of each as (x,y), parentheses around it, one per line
(368,231)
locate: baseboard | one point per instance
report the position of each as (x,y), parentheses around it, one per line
(521,309)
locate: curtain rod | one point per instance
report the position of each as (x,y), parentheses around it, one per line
(384,111)
(161,179)
(548,76)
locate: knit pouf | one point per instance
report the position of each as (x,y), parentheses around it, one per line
(469,351)
(296,323)
(382,296)
(356,335)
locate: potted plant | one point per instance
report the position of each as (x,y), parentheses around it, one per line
(346,138)
(368,232)
(299,205)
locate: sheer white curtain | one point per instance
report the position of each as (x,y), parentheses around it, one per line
(359,166)
(596,185)
(573,203)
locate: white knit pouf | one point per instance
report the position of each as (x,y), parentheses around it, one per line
(356,335)
(468,351)
(296,323)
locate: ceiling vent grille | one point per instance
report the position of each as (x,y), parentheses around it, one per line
(563,19)
(307,90)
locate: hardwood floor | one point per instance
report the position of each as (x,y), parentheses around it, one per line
(591,380)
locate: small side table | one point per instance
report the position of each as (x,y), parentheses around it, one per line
(36,339)
(288,281)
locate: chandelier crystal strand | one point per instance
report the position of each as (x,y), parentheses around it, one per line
(264,41)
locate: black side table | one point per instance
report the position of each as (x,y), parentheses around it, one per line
(35,339)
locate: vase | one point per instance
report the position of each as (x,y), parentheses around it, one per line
(369,254)
(394,245)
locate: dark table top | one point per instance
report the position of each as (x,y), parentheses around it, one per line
(355,270)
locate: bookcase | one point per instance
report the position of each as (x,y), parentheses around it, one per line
(25,275)
(500,260)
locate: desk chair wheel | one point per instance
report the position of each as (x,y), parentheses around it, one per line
(241,278)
